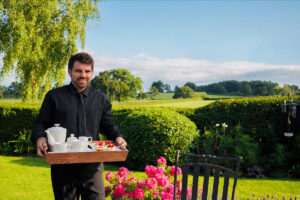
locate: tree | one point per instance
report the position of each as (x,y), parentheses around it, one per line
(167,88)
(14,90)
(159,85)
(154,91)
(37,38)
(191,85)
(176,92)
(118,84)
(183,92)
(287,90)
(246,89)
(2,89)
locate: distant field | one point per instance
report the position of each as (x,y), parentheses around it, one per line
(161,100)
(190,103)
(224,96)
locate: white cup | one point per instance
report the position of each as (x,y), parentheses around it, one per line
(79,145)
(61,147)
(85,138)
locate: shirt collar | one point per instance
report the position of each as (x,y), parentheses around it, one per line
(73,90)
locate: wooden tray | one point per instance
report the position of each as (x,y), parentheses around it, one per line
(86,157)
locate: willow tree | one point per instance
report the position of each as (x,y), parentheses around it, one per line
(38,36)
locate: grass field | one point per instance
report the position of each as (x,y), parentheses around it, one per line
(189,103)
(161,100)
(28,178)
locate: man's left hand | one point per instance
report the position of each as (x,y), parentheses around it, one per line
(121,143)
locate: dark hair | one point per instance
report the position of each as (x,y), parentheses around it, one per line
(83,58)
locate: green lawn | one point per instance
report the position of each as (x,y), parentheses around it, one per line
(28,178)
(186,103)
(161,100)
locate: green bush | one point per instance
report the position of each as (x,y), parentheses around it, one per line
(232,143)
(14,118)
(154,133)
(23,144)
(259,118)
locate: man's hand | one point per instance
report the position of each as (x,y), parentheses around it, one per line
(42,146)
(121,143)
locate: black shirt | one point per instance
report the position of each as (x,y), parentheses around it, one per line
(60,106)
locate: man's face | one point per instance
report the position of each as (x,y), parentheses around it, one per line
(81,75)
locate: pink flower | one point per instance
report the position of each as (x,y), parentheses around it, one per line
(108,176)
(165,195)
(189,193)
(163,181)
(150,183)
(131,195)
(160,171)
(178,185)
(119,192)
(150,171)
(171,188)
(173,171)
(123,169)
(123,184)
(132,179)
(122,174)
(155,193)
(139,183)
(138,193)
(161,160)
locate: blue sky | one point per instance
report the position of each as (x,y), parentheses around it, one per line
(260,31)
(199,41)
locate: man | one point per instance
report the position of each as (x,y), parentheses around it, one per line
(83,111)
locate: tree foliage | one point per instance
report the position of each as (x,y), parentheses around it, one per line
(14,90)
(254,88)
(37,37)
(118,84)
(161,86)
(154,91)
(191,85)
(183,92)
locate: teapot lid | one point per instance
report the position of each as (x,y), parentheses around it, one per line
(57,127)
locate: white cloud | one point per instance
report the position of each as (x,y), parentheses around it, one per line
(181,70)
(177,71)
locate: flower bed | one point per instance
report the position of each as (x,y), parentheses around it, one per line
(158,186)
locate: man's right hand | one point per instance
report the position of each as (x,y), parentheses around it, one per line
(42,146)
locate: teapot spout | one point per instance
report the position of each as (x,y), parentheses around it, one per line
(51,140)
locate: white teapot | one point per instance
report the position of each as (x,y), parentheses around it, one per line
(56,134)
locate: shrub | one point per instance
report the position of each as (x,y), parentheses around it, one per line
(232,143)
(23,144)
(154,133)
(14,118)
(259,118)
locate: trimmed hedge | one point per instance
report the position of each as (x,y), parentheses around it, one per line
(260,118)
(154,133)
(15,118)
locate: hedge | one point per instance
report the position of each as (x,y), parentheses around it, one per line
(260,118)
(15,118)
